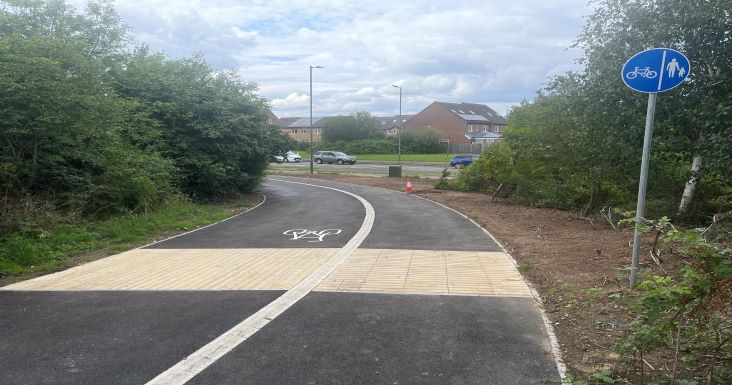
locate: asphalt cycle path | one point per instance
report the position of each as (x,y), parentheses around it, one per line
(324,283)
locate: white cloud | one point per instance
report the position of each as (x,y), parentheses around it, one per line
(290,100)
(492,52)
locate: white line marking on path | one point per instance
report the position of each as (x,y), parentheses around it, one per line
(195,363)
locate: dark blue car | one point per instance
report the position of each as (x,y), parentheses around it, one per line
(465,160)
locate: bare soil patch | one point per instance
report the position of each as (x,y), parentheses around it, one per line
(576,264)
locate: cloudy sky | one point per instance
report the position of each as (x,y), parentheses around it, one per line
(485,51)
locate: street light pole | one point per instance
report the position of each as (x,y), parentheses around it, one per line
(399,134)
(311,116)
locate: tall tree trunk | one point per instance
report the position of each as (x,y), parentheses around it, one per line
(691,185)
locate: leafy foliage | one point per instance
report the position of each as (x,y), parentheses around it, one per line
(423,142)
(426,141)
(577,145)
(212,125)
(87,124)
(360,125)
(443,183)
(62,128)
(689,308)
(92,125)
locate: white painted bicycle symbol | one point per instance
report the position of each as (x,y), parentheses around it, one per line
(311,234)
(642,72)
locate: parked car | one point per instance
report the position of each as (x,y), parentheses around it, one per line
(291,157)
(333,157)
(465,160)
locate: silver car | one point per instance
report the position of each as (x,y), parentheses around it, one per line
(333,157)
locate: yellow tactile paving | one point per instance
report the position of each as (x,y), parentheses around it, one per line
(187,269)
(427,272)
(366,270)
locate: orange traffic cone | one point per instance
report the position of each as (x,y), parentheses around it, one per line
(409,188)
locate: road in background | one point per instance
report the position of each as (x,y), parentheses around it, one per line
(428,170)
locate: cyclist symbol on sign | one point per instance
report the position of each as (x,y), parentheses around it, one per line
(642,72)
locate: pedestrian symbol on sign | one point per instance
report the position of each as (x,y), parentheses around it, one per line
(672,66)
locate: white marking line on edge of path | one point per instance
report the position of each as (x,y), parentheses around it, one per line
(199,360)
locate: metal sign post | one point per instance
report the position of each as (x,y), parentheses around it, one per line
(651,71)
(641,205)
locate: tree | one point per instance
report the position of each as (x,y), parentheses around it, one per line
(360,125)
(212,125)
(91,125)
(424,141)
(584,131)
(693,119)
(61,125)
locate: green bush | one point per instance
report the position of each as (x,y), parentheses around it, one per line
(443,183)
(689,305)
(422,142)
(90,124)
(370,146)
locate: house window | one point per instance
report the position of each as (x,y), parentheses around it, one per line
(498,128)
(293,131)
(304,131)
(470,128)
(485,128)
(269,121)
(317,130)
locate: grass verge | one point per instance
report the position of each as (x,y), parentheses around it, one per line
(36,250)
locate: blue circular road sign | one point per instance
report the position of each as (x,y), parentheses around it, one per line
(655,70)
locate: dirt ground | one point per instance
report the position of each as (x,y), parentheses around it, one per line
(576,264)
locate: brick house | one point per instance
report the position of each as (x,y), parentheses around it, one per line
(461,123)
(298,129)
